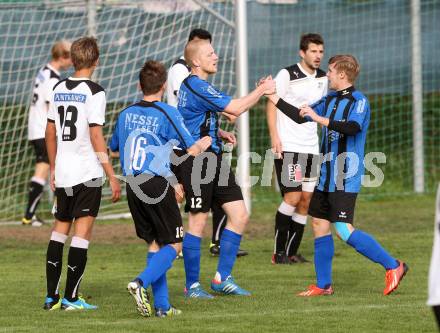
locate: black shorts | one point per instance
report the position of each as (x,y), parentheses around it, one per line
(78,201)
(155,212)
(177,168)
(221,186)
(333,206)
(40,150)
(297,172)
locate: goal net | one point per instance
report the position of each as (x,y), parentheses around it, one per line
(128,33)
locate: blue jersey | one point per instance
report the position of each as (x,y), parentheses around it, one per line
(199,104)
(346,105)
(145,134)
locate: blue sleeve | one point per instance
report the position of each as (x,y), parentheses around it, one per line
(360,112)
(114,140)
(214,99)
(319,106)
(177,129)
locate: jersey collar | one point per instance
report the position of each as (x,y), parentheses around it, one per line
(346,92)
(305,72)
(53,69)
(146,103)
(79,78)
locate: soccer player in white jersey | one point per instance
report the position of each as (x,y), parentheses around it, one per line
(77,157)
(296,147)
(434,271)
(47,77)
(178,72)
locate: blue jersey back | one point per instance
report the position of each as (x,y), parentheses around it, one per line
(346,105)
(199,104)
(145,134)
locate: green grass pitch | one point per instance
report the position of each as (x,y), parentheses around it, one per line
(403,225)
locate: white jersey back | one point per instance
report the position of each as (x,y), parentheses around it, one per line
(178,72)
(434,270)
(297,87)
(78,104)
(46,79)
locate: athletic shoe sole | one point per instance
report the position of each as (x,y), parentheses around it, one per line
(135,291)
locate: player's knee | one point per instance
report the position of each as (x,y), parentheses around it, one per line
(292,198)
(239,220)
(320,227)
(342,230)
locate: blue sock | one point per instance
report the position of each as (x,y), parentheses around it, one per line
(229,245)
(191,258)
(160,289)
(370,248)
(324,251)
(159,263)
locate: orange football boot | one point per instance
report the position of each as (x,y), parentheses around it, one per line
(394,276)
(314,290)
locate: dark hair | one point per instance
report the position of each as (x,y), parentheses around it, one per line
(84,53)
(307,39)
(152,77)
(346,63)
(201,34)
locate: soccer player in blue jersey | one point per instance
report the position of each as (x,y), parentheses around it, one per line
(345,116)
(144,136)
(200,103)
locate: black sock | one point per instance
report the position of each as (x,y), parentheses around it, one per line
(296,231)
(281,232)
(218,223)
(75,269)
(54,262)
(35,194)
(437,314)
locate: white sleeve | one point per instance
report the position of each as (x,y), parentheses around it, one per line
(282,81)
(51,114)
(176,75)
(96,108)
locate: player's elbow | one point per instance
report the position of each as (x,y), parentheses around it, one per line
(231,118)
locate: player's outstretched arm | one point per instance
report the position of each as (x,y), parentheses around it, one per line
(344,127)
(271,114)
(200,146)
(51,146)
(288,109)
(98,143)
(239,105)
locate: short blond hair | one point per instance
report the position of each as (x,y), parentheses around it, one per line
(192,50)
(84,52)
(346,63)
(61,49)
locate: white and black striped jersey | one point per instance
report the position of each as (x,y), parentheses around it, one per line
(178,72)
(434,270)
(77,104)
(297,87)
(46,79)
